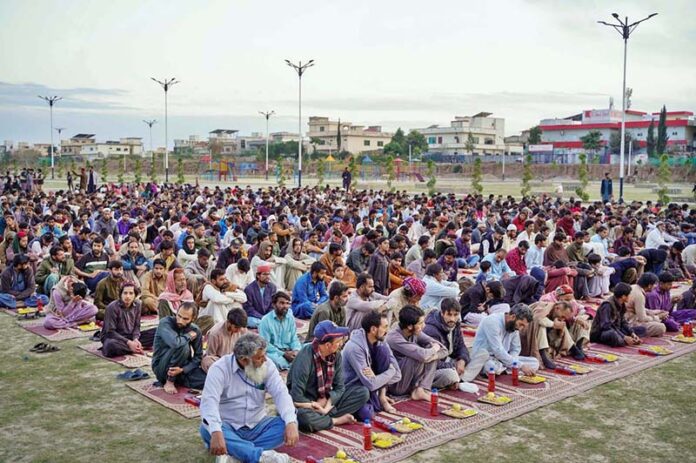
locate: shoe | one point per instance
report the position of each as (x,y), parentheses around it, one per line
(227,459)
(271,456)
(577,353)
(471,388)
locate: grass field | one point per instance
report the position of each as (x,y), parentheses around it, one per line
(68,407)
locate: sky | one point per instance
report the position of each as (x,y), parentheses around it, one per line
(404,63)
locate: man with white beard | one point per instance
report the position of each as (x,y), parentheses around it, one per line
(233,413)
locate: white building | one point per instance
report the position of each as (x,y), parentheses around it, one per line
(488,134)
(354,138)
(130,146)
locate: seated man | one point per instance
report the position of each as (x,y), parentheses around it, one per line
(223,336)
(642,320)
(135,264)
(233,406)
(363,301)
(420,266)
(370,362)
(316,382)
(75,312)
(278,328)
(334,309)
(661,299)
(198,271)
(598,285)
(152,285)
(309,291)
(120,334)
(418,355)
(548,337)
(437,288)
(609,326)
(17,285)
(52,269)
(445,327)
(108,289)
(240,274)
(92,265)
(259,296)
(500,269)
(178,350)
(498,338)
(220,297)
(175,292)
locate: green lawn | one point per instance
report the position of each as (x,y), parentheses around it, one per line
(68,407)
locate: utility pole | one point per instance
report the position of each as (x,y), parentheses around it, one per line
(166,85)
(51,100)
(267,115)
(150,123)
(625,29)
(300,69)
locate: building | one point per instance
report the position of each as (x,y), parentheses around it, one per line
(224,141)
(487,136)
(74,145)
(193,145)
(129,146)
(354,138)
(565,134)
(283,137)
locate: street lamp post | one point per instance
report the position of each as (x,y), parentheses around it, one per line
(267,115)
(166,85)
(152,153)
(625,29)
(51,100)
(300,69)
(59,130)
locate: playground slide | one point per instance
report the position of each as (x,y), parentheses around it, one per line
(419,177)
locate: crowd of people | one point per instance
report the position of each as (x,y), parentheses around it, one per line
(385,281)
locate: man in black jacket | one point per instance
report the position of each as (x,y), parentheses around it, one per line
(17,284)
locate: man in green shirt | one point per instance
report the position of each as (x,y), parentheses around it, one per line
(334,309)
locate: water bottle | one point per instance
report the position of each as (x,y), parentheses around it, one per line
(434,395)
(491,379)
(39,305)
(367,435)
(311,459)
(515,372)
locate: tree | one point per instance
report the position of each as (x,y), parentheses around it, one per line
(526,176)
(534,135)
(581,191)
(281,178)
(59,169)
(662,137)
(592,141)
(353,169)
(138,170)
(650,141)
(153,171)
(389,167)
(104,170)
(180,171)
(663,177)
(476,176)
(121,171)
(432,180)
(470,143)
(398,144)
(320,172)
(615,142)
(314,141)
(418,143)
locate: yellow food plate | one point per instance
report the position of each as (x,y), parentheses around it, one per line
(659,350)
(460,414)
(405,428)
(385,440)
(495,400)
(88,327)
(684,339)
(26,311)
(579,369)
(536,379)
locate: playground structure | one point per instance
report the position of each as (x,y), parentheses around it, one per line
(224,171)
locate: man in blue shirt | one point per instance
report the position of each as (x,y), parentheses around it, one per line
(309,291)
(278,328)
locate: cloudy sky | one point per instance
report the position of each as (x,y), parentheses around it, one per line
(395,63)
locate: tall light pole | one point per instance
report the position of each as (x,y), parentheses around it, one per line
(152,152)
(51,100)
(59,130)
(267,115)
(300,69)
(166,85)
(625,29)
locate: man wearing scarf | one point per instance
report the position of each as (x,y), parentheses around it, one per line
(316,382)
(175,292)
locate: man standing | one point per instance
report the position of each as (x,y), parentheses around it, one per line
(316,382)
(370,362)
(120,334)
(347,179)
(334,309)
(309,291)
(278,328)
(178,350)
(607,188)
(379,267)
(259,296)
(418,355)
(233,407)
(223,336)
